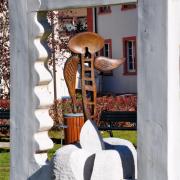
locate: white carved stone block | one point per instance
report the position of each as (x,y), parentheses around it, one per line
(81,162)
(111,159)
(42,141)
(107,166)
(43,74)
(44,119)
(61,163)
(90,138)
(127,153)
(43,96)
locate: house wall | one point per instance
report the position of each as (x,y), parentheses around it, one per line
(115,26)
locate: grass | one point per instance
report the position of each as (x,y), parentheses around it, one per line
(55,135)
(4,163)
(129,135)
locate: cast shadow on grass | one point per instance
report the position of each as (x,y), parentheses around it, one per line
(4,150)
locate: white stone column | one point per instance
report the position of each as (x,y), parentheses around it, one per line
(158,90)
(30,99)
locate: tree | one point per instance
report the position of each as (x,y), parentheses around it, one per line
(65,24)
(62,31)
(4,50)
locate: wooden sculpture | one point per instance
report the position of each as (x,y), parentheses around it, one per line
(106,64)
(86,44)
(70,70)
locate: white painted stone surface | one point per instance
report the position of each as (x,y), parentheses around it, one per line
(158,90)
(90,138)
(29,95)
(128,155)
(117,160)
(107,166)
(71,162)
(174,90)
(61,163)
(81,162)
(43,119)
(42,141)
(54,4)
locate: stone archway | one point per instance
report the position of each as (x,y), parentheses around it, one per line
(158,87)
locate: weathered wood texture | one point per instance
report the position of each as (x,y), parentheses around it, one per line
(88,86)
(106,64)
(70,71)
(87,44)
(90,40)
(74,124)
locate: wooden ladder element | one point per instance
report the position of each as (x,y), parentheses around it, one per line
(88,86)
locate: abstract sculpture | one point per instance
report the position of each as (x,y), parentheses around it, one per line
(95,158)
(70,70)
(86,45)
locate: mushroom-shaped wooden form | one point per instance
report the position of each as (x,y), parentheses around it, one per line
(81,41)
(106,64)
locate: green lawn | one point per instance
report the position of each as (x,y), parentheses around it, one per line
(4,163)
(129,135)
(55,135)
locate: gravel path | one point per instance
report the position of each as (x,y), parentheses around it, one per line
(4,144)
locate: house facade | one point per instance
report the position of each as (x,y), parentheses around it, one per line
(118,26)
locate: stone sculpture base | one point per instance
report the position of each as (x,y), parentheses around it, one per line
(95,158)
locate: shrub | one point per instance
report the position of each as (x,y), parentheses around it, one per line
(4,103)
(109,103)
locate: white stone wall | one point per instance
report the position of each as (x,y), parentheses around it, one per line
(158,90)
(115,26)
(174,89)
